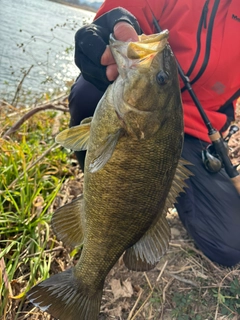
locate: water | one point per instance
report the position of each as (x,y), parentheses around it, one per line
(39,33)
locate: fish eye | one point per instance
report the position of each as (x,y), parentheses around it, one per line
(162,77)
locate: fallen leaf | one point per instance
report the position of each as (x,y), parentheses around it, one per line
(121,290)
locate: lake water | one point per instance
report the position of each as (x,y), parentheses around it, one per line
(39,33)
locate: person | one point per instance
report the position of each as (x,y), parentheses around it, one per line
(204,36)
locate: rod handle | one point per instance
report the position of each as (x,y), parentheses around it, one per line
(236,183)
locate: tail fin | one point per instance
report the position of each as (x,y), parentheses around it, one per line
(62,296)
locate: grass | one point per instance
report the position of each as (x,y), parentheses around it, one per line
(26,196)
(36,177)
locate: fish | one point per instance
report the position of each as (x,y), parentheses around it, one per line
(133,173)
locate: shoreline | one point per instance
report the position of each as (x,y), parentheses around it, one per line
(87,8)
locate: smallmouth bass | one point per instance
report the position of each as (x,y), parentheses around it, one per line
(133,173)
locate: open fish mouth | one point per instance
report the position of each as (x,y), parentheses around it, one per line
(147,47)
(142,52)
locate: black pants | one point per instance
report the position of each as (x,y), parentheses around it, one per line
(210,208)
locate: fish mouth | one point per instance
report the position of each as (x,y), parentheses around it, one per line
(136,61)
(142,51)
(147,46)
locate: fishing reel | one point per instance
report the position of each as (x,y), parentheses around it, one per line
(211,159)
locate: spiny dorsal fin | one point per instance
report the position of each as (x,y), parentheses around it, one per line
(66,298)
(68,223)
(75,138)
(147,252)
(178,183)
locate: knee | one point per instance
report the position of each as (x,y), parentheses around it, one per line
(83,100)
(224,253)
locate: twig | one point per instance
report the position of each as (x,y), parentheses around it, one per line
(164,295)
(162,270)
(150,294)
(135,305)
(142,306)
(186,246)
(45,251)
(181,270)
(29,114)
(20,86)
(2,102)
(203,287)
(165,289)
(148,281)
(194,284)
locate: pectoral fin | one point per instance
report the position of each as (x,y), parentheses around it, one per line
(68,223)
(75,138)
(147,252)
(104,153)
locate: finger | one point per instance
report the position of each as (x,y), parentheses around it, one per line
(107,57)
(112,72)
(122,31)
(125,32)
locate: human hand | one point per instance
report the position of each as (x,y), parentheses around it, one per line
(92,53)
(122,31)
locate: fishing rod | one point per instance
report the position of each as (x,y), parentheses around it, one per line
(215,156)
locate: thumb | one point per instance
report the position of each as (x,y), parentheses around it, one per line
(125,32)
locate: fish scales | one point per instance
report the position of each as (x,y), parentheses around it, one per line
(130,213)
(137,171)
(133,143)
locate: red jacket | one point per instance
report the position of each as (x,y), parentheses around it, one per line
(205,38)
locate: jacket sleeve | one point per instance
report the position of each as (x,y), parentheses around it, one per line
(141,9)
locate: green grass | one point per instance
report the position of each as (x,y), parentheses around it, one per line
(26,196)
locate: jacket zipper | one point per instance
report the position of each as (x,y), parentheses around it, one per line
(203,23)
(205,12)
